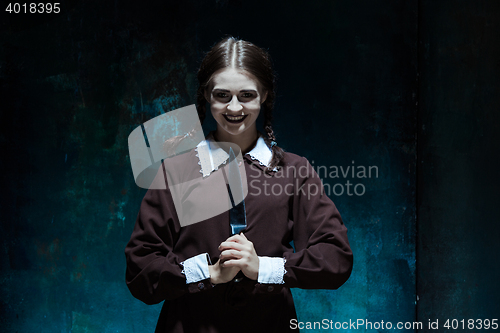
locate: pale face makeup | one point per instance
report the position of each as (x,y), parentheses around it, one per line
(235,98)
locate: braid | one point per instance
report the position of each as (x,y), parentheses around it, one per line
(268,119)
(278,153)
(270,133)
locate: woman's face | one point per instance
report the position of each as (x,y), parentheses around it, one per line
(235,97)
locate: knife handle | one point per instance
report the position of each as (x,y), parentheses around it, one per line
(236,229)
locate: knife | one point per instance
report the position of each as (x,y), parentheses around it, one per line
(237,214)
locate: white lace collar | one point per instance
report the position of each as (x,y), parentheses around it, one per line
(211,157)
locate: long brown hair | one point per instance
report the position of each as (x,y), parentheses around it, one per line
(256,61)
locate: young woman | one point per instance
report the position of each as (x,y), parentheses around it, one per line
(212,281)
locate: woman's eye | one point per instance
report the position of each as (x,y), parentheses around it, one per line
(247,95)
(221,95)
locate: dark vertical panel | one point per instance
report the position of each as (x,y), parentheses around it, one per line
(459,141)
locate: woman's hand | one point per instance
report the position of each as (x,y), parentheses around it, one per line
(219,274)
(238,252)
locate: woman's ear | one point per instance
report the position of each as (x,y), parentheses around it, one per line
(264,97)
(206,94)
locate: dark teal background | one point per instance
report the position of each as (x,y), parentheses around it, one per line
(411,87)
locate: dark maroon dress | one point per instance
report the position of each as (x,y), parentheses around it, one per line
(301,213)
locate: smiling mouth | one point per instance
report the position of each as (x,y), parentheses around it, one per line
(235,119)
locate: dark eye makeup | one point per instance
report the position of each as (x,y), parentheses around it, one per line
(221,95)
(243,94)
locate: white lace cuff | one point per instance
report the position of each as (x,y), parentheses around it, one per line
(271,270)
(196,268)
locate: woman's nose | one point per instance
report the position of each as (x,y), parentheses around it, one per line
(234,105)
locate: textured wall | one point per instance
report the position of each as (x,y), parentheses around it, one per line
(458,163)
(73,86)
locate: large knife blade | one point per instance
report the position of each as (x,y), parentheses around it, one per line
(237,214)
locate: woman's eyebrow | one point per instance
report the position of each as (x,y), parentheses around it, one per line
(243,90)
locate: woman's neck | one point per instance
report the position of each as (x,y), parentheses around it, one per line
(246,140)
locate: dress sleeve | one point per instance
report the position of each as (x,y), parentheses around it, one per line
(154,272)
(323,258)
(196,268)
(271,270)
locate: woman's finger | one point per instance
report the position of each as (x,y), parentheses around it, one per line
(230,254)
(231,263)
(238,238)
(231,245)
